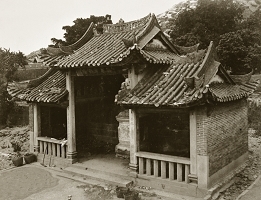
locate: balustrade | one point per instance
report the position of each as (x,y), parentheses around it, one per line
(52,147)
(163,166)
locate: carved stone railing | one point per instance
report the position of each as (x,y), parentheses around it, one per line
(52,147)
(162,166)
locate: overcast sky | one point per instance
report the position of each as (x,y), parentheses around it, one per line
(28,25)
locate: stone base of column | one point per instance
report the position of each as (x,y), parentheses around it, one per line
(193,178)
(72,157)
(134,169)
(122,150)
(36,148)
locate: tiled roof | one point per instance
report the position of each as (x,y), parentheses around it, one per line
(164,86)
(50,60)
(51,55)
(117,42)
(184,83)
(226,92)
(51,88)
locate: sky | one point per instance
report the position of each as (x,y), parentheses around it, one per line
(28,25)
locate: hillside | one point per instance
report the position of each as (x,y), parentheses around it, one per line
(164,18)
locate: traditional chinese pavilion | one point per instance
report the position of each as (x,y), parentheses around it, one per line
(174,112)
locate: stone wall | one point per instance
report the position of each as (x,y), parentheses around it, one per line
(30,72)
(19,116)
(222,133)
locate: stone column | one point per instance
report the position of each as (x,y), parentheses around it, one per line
(37,128)
(71,137)
(123,148)
(134,141)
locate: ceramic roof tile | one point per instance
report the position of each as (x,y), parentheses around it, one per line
(52,89)
(171,85)
(115,44)
(164,86)
(226,92)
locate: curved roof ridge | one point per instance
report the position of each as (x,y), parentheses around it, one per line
(53,51)
(186,50)
(126,26)
(207,59)
(39,80)
(149,25)
(80,42)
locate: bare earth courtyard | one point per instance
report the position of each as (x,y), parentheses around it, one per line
(36,182)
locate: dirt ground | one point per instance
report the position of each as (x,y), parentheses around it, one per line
(34,182)
(22,182)
(13,139)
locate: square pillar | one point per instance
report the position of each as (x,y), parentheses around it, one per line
(202,149)
(134,141)
(203,171)
(193,146)
(37,128)
(71,136)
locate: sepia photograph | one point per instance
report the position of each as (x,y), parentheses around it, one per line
(130,99)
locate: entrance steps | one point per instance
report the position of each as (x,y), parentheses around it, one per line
(78,171)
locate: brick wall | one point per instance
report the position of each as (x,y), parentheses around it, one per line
(201,134)
(222,133)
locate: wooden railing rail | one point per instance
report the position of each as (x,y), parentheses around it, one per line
(50,146)
(163,166)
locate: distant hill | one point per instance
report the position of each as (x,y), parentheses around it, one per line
(250,7)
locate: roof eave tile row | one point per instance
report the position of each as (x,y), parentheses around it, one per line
(240,91)
(155,57)
(50,90)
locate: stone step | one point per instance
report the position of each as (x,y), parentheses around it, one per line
(118,173)
(89,174)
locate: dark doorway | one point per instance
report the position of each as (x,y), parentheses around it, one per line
(165,133)
(96,125)
(53,122)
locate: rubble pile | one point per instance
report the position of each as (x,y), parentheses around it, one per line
(13,141)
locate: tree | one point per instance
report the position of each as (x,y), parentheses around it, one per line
(206,22)
(9,63)
(238,40)
(76,31)
(240,50)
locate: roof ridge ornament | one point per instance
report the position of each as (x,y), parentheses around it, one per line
(130,42)
(126,26)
